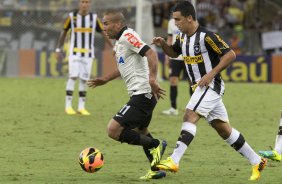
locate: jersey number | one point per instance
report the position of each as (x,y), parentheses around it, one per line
(124,109)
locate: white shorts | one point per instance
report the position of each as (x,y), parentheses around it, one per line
(209,104)
(80,67)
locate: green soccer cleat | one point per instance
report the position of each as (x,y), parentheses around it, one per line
(257,169)
(153,175)
(157,154)
(167,165)
(273,155)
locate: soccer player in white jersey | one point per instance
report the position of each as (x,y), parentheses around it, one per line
(83,26)
(205,55)
(137,65)
(276,153)
(176,66)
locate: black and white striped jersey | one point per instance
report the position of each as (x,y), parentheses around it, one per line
(201,53)
(82,33)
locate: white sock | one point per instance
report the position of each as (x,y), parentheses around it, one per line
(69,91)
(236,140)
(181,147)
(250,154)
(278,141)
(82,94)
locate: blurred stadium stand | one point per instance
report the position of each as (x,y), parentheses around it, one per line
(36,24)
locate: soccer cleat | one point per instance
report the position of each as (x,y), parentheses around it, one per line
(273,155)
(167,165)
(83,112)
(153,175)
(171,111)
(70,111)
(157,154)
(257,169)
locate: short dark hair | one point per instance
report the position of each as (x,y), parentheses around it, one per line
(118,15)
(185,8)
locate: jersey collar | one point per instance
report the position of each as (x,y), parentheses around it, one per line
(120,33)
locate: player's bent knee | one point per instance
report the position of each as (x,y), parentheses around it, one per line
(223,129)
(112,133)
(191,116)
(114,129)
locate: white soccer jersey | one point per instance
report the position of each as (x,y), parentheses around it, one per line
(134,69)
(172,30)
(82,34)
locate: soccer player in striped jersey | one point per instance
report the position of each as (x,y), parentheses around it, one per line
(276,153)
(176,65)
(137,65)
(83,25)
(205,55)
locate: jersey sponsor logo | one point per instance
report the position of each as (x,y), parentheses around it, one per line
(83,30)
(133,40)
(121,61)
(193,59)
(225,46)
(213,45)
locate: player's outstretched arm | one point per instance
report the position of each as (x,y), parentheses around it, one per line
(153,67)
(160,42)
(92,83)
(61,40)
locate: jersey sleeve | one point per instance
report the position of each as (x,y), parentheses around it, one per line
(218,45)
(67,24)
(133,42)
(169,28)
(177,46)
(99,26)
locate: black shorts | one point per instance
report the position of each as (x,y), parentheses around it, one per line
(137,112)
(176,66)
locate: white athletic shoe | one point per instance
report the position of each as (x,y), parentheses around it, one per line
(171,111)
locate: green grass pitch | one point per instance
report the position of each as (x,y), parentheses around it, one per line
(40,143)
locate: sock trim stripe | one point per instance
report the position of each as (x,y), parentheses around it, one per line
(238,144)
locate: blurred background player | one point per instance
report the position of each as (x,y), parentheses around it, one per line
(137,65)
(176,66)
(276,153)
(83,25)
(205,55)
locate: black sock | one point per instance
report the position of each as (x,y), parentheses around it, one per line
(186,137)
(82,93)
(134,138)
(173,95)
(146,151)
(69,93)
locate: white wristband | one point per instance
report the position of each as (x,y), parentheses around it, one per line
(58,50)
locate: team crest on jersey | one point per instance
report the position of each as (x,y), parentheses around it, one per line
(197,49)
(121,61)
